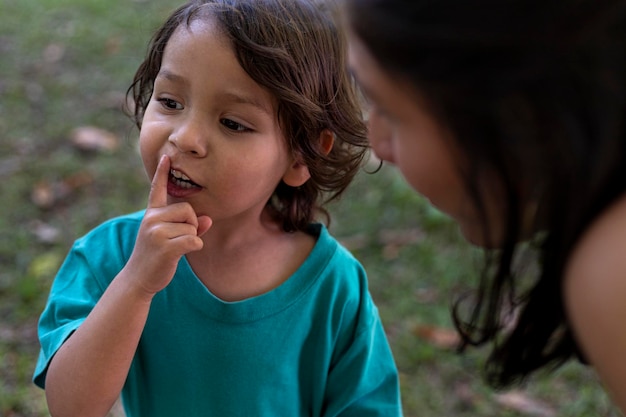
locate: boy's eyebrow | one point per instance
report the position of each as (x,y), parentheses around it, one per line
(169,75)
(238,98)
(232,96)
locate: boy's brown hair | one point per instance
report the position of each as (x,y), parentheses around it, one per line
(295,50)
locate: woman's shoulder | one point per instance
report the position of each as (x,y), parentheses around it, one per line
(595,296)
(600,255)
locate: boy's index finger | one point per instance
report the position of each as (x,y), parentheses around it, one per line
(158,188)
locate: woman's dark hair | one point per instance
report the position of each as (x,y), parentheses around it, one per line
(534,92)
(295,50)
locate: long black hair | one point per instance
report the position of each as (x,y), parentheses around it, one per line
(533,91)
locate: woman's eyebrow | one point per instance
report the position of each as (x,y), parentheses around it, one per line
(363,87)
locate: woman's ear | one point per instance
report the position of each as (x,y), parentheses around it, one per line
(298,173)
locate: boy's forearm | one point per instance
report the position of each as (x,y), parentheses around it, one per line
(88,372)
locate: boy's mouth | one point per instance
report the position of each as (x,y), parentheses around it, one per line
(181,180)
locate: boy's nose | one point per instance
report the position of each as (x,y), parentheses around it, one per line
(189,142)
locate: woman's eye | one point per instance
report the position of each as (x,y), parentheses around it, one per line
(379,112)
(170,104)
(232,125)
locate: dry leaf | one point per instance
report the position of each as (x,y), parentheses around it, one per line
(465,394)
(94,139)
(394,240)
(53,53)
(355,242)
(400,237)
(42,195)
(47,194)
(391,252)
(78,179)
(44,232)
(113,45)
(427,295)
(438,336)
(522,402)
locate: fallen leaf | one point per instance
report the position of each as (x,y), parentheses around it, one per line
(391,252)
(78,179)
(523,403)
(47,194)
(113,45)
(464,394)
(427,295)
(44,232)
(438,336)
(394,240)
(53,53)
(355,242)
(400,237)
(42,195)
(94,139)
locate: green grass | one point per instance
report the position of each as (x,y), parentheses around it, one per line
(67,63)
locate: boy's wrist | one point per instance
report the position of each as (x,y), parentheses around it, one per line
(133,288)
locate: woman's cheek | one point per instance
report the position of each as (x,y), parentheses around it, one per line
(380,137)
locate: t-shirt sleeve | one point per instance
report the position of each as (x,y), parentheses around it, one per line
(364,381)
(93,261)
(73,295)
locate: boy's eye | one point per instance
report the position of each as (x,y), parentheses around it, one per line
(170,104)
(232,125)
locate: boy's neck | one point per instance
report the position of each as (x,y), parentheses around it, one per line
(241,262)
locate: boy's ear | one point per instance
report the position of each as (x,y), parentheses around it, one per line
(327,140)
(298,173)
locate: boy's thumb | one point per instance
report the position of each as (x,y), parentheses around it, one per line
(204,224)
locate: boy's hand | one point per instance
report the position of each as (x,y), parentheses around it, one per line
(167,232)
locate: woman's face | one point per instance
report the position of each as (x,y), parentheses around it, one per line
(402,131)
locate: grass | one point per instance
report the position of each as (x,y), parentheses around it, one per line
(67,63)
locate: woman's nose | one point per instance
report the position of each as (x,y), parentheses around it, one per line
(379,136)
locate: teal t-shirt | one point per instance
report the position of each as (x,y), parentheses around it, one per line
(314,346)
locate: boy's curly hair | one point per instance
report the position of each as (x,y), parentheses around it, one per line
(295,50)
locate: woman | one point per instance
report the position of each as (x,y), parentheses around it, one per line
(510,116)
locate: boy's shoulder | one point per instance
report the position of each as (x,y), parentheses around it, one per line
(121,229)
(336,264)
(332,245)
(119,222)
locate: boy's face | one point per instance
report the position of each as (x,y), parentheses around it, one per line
(218,127)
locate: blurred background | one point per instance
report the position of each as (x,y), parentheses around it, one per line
(68,161)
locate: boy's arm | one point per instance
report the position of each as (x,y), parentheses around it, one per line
(364,382)
(87,373)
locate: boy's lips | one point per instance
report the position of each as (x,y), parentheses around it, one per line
(180,185)
(181,179)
